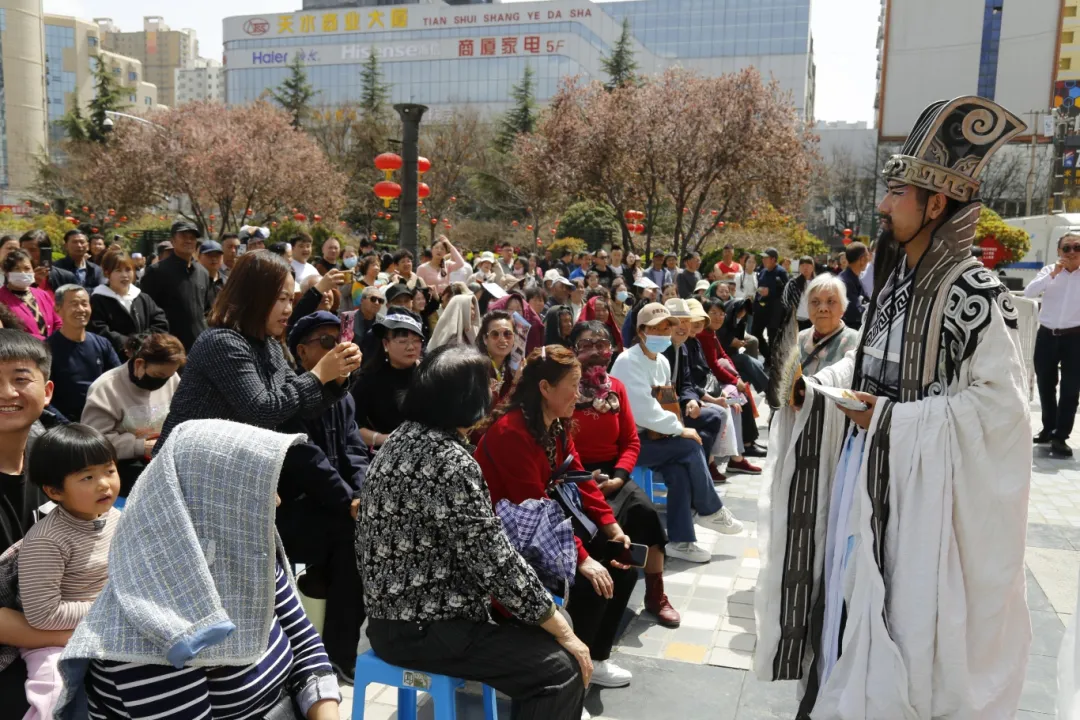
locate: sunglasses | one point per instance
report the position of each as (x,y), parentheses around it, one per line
(376,300)
(504,334)
(1067,248)
(326,342)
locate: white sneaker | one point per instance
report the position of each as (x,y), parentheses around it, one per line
(723,522)
(688,551)
(607,674)
(585,714)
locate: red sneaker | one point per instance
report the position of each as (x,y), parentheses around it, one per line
(718,477)
(742,467)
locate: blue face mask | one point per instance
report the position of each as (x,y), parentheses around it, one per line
(657,343)
(621,296)
(350,262)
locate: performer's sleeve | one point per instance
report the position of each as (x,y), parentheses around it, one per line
(840,374)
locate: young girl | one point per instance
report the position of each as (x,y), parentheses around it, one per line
(63,562)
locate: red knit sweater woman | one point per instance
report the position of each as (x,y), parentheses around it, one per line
(607,441)
(528,439)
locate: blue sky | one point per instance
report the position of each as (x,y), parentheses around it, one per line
(844,35)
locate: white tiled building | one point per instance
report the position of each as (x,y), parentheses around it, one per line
(205,81)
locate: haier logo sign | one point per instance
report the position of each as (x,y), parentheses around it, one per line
(363,52)
(269,58)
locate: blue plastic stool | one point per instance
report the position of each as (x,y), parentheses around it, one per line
(644,478)
(442,688)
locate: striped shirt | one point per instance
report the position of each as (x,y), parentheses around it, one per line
(63,565)
(294,658)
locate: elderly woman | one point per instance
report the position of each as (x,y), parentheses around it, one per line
(829,339)
(231,638)
(528,444)
(459,322)
(433,554)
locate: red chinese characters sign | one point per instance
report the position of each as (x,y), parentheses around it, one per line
(511,45)
(993,252)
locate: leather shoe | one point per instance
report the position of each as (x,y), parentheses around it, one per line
(1043,438)
(664,612)
(1058,448)
(718,477)
(754,451)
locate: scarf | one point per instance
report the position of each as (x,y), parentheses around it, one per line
(456,323)
(588,313)
(594,389)
(192,565)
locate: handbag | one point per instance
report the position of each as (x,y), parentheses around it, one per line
(669,400)
(563,489)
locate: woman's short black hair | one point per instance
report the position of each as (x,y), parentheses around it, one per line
(450,389)
(713,302)
(14,258)
(593,326)
(66,449)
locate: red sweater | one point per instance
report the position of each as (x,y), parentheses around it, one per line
(714,353)
(607,437)
(516,468)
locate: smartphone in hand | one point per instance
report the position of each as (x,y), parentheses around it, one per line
(634,556)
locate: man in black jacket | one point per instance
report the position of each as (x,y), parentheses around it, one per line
(46,275)
(320,498)
(858,257)
(77,262)
(180,286)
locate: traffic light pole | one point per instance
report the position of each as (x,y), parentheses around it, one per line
(410,177)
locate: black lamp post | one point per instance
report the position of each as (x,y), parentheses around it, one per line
(410,177)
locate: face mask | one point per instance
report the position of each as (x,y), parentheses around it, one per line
(519,273)
(657,343)
(146,382)
(350,262)
(622,295)
(20,280)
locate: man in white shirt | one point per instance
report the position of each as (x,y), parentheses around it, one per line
(301,251)
(1058,343)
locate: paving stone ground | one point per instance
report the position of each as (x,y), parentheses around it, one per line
(700,670)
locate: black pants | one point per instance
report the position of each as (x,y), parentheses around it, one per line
(314,536)
(542,679)
(1051,353)
(13,689)
(750,432)
(634,511)
(597,619)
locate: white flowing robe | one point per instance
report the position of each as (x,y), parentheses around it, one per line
(945,634)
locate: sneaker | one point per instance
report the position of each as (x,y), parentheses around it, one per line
(585,714)
(718,478)
(1058,448)
(607,674)
(723,522)
(742,467)
(688,551)
(1043,438)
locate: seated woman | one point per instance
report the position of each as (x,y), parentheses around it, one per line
(196,620)
(527,442)
(433,554)
(730,326)
(459,321)
(606,439)
(667,445)
(385,375)
(34,307)
(558,323)
(129,404)
(515,302)
(829,340)
(120,310)
(496,341)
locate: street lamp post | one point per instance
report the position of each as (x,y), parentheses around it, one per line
(108,125)
(410,176)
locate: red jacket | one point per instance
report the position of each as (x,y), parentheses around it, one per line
(516,468)
(608,437)
(714,353)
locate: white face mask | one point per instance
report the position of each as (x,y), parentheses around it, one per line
(20,280)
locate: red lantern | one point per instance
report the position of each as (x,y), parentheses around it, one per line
(73,221)
(448,226)
(556,223)
(514,223)
(318,218)
(95,229)
(386,191)
(249,212)
(111,212)
(639,228)
(422,190)
(342,223)
(67,211)
(720,224)
(528,227)
(86,208)
(434,221)
(27,203)
(374,236)
(212,218)
(422,165)
(299,217)
(388,162)
(453,199)
(685,210)
(161,217)
(539,241)
(123,218)
(847,240)
(273,223)
(847,232)
(552,231)
(714,212)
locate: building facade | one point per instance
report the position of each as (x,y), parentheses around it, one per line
(1004,50)
(23,123)
(204,82)
(325,4)
(72,51)
(445,56)
(160,50)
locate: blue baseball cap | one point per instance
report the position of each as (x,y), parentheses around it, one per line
(308,324)
(211,246)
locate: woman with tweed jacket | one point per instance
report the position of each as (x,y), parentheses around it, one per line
(238,371)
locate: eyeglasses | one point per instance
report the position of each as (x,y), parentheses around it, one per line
(504,334)
(593,345)
(326,342)
(376,300)
(1070,248)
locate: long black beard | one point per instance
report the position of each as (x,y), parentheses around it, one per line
(887,253)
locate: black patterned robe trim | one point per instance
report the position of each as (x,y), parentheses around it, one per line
(877,483)
(798,579)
